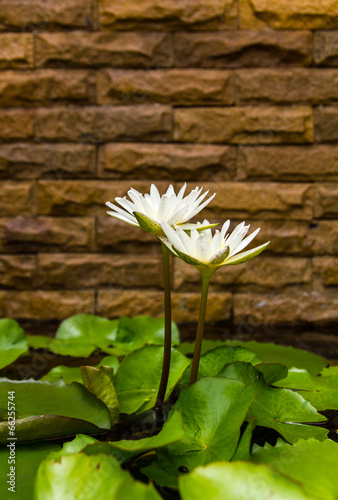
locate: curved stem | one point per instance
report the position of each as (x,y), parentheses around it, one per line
(200,329)
(167,331)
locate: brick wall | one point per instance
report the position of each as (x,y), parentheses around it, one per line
(97,96)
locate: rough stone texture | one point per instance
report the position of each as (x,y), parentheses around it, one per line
(103,49)
(243,125)
(83,197)
(46,234)
(16,50)
(287,86)
(17,198)
(283,308)
(326,124)
(45,304)
(17,271)
(288,163)
(326,205)
(55,161)
(266,273)
(288,14)
(326,48)
(16,124)
(168,14)
(45,87)
(114,303)
(181,162)
(260,200)
(32,15)
(116,236)
(104,123)
(104,270)
(173,86)
(237,49)
(326,268)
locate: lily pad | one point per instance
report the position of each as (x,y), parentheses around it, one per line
(46,410)
(13,342)
(81,334)
(212,361)
(68,374)
(322,392)
(26,464)
(138,377)
(279,409)
(99,382)
(311,463)
(133,333)
(272,371)
(288,356)
(213,410)
(39,341)
(244,445)
(239,480)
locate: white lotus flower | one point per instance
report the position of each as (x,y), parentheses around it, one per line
(149,210)
(208,252)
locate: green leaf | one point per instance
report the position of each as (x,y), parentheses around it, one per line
(147,223)
(77,476)
(212,361)
(278,409)
(328,372)
(240,481)
(81,334)
(160,476)
(133,333)
(322,392)
(311,463)
(39,341)
(27,461)
(244,445)
(272,371)
(129,491)
(97,381)
(13,342)
(49,410)
(138,377)
(69,374)
(288,356)
(75,446)
(213,410)
(111,361)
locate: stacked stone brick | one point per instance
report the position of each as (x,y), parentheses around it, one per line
(97,96)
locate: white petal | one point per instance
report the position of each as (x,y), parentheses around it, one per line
(198,209)
(225,227)
(246,241)
(181,193)
(244,256)
(173,236)
(124,218)
(203,252)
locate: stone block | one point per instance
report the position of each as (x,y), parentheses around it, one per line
(173,86)
(33,15)
(46,87)
(179,162)
(17,198)
(55,161)
(286,86)
(326,48)
(326,124)
(16,50)
(105,123)
(17,271)
(326,204)
(124,50)
(168,14)
(45,304)
(76,271)
(47,234)
(287,14)
(236,49)
(114,303)
(326,268)
(288,163)
(75,197)
(244,125)
(16,124)
(282,308)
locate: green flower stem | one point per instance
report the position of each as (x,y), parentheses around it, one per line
(200,328)
(167,330)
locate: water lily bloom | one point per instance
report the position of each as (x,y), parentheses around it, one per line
(149,210)
(208,252)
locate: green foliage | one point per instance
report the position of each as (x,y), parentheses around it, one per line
(13,342)
(311,463)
